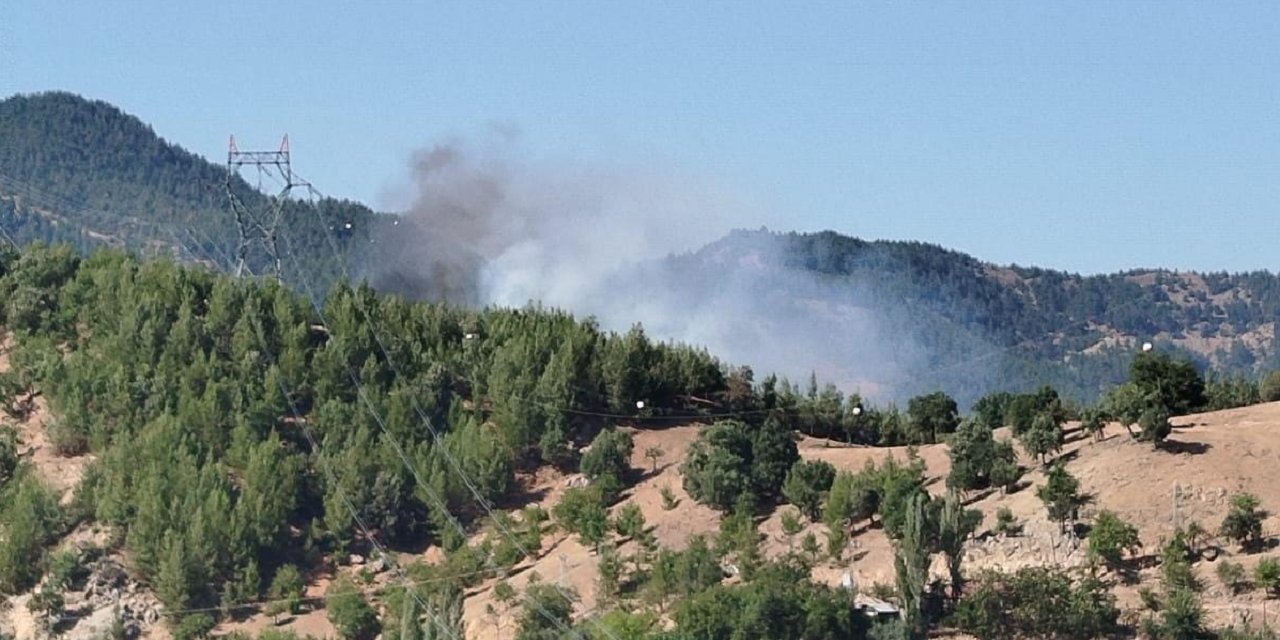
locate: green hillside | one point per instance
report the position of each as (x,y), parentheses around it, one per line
(84,173)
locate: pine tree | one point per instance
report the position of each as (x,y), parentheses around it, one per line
(911,563)
(955,525)
(173,579)
(1061,494)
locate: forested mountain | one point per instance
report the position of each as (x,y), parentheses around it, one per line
(83,172)
(979,326)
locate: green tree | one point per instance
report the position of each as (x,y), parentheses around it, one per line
(773,454)
(911,563)
(609,571)
(1243,522)
(1182,617)
(1269,389)
(807,485)
(1125,403)
(547,612)
(955,525)
(739,540)
(1005,472)
(853,498)
(989,410)
(977,459)
(781,603)
(1044,437)
(8,456)
(932,415)
(241,589)
(626,366)
(1175,385)
(1094,423)
(718,467)
(286,591)
(349,611)
(654,454)
(1153,425)
(1175,564)
(47,605)
(409,624)
(30,520)
(191,627)
(1038,602)
(1006,523)
(898,486)
(1110,538)
(621,625)
(791,526)
(629,522)
(1061,494)
(669,499)
(581,510)
(809,545)
(607,462)
(173,582)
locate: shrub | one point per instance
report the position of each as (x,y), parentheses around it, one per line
(669,499)
(287,590)
(1006,523)
(1029,604)
(1267,575)
(1233,577)
(349,612)
(607,462)
(1111,537)
(581,510)
(1243,522)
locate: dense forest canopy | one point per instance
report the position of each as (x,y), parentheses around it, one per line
(84,173)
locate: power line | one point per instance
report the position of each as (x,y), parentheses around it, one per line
(440,446)
(281,159)
(342,494)
(260,228)
(444,450)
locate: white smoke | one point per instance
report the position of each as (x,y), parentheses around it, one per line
(599,241)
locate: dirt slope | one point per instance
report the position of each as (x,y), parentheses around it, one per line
(1210,457)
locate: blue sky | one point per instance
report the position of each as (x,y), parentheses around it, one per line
(1090,136)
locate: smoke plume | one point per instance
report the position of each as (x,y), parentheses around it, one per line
(484,225)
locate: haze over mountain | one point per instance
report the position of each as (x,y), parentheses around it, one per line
(889,319)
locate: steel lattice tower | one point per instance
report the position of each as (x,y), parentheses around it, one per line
(260,227)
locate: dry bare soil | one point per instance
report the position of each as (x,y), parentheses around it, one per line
(1210,457)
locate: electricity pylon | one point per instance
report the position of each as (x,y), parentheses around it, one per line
(260,227)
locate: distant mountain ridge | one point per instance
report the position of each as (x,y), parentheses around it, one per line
(81,171)
(1028,325)
(86,173)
